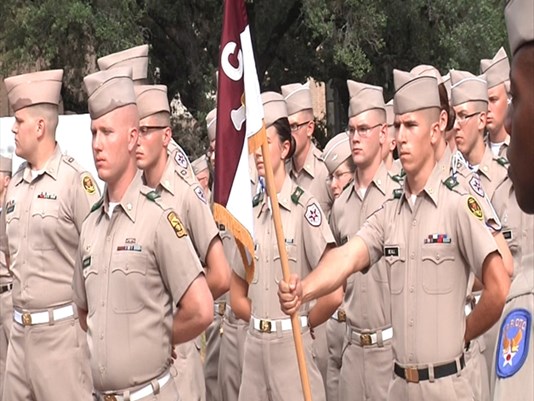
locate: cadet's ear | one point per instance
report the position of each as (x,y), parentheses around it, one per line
(435,132)
(167,136)
(383,134)
(133,135)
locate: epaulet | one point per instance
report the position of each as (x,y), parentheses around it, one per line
(296,195)
(451,182)
(257,199)
(502,161)
(397,193)
(186,175)
(71,161)
(97,205)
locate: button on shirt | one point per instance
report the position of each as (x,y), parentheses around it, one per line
(43,218)
(367,299)
(306,233)
(428,265)
(130,271)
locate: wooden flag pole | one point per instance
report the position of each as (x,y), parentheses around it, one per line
(295,320)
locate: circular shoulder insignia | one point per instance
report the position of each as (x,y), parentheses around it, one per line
(476,185)
(200,194)
(512,348)
(313,215)
(88,184)
(181,159)
(475,208)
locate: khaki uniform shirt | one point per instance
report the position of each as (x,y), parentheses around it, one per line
(43,218)
(183,193)
(492,171)
(503,151)
(313,178)
(130,271)
(5,276)
(517,226)
(429,248)
(306,235)
(367,299)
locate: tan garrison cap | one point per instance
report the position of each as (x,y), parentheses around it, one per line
(519,16)
(497,69)
(414,93)
(390,113)
(447,83)
(466,87)
(336,151)
(34,88)
(274,107)
(211,122)
(427,70)
(151,99)
(364,97)
(136,58)
(109,90)
(200,164)
(297,97)
(6,164)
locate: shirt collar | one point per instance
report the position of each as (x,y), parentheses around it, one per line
(167,179)
(130,199)
(485,165)
(51,167)
(431,188)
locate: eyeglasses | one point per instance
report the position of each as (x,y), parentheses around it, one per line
(363,131)
(336,176)
(148,129)
(462,120)
(295,127)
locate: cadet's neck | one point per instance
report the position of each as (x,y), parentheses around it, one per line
(388,160)
(154,173)
(300,159)
(417,180)
(476,154)
(440,149)
(499,136)
(44,152)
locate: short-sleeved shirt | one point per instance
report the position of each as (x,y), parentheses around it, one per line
(367,298)
(5,276)
(313,178)
(307,235)
(517,226)
(429,248)
(503,150)
(492,171)
(184,194)
(43,218)
(130,271)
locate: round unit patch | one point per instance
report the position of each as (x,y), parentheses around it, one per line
(475,208)
(88,184)
(512,347)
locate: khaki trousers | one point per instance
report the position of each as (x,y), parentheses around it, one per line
(476,371)
(335,335)
(48,363)
(189,373)
(270,369)
(211,361)
(6,320)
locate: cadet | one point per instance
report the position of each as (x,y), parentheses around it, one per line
(338,161)
(202,173)
(135,261)
(6,281)
(430,237)
(514,361)
(184,194)
(497,72)
(270,369)
(367,357)
(46,202)
(310,173)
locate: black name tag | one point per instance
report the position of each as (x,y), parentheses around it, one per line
(391,251)
(507,234)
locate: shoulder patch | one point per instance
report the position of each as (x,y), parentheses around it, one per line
(177,225)
(200,194)
(97,205)
(451,182)
(295,196)
(502,161)
(181,159)
(313,215)
(88,184)
(476,185)
(512,346)
(474,208)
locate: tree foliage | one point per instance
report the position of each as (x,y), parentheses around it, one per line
(330,40)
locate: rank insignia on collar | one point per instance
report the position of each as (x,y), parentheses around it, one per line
(397,193)
(10,206)
(512,347)
(88,184)
(177,225)
(502,161)
(475,208)
(438,239)
(451,182)
(258,198)
(295,196)
(313,215)
(46,195)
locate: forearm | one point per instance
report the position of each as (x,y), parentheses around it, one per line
(187,325)
(325,307)
(239,301)
(82,318)
(218,271)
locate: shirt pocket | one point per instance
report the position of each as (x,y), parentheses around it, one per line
(439,274)
(44,225)
(128,282)
(396,266)
(14,229)
(291,250)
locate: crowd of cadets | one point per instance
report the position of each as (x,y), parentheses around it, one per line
(413,277)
